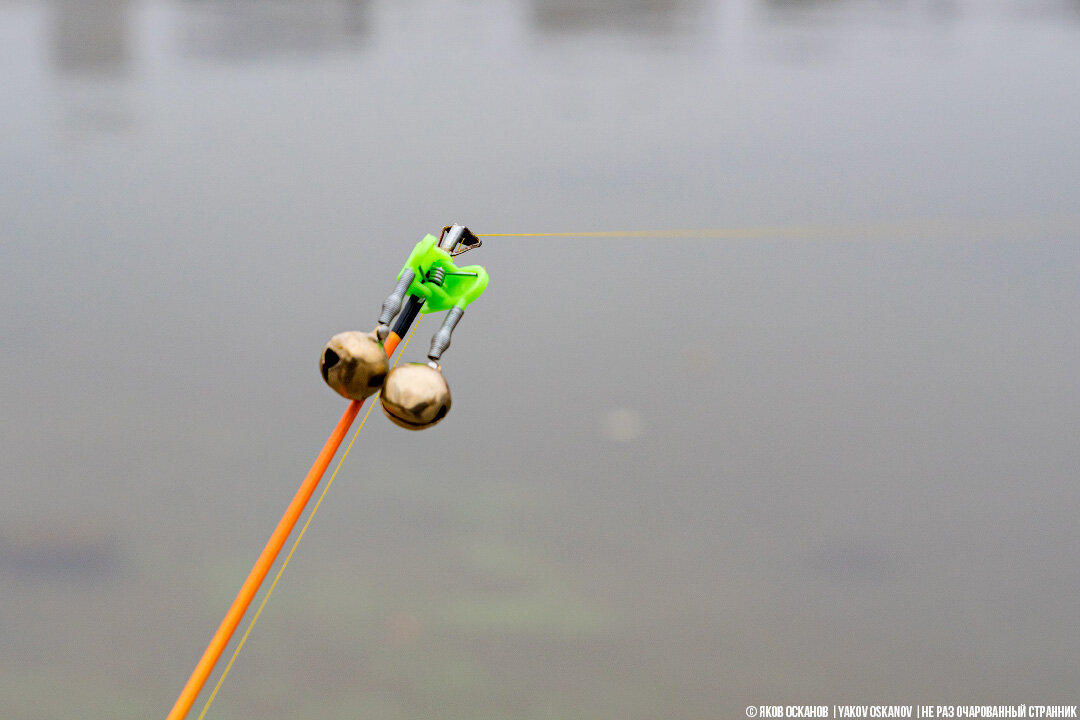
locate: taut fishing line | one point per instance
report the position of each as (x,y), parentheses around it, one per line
(296,543)
(926,228)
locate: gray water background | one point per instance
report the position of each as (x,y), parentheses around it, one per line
(680,477)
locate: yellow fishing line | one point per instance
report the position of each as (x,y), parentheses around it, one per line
(924,227)
(299,537)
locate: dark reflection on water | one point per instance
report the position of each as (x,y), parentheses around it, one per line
(606,16)
(886,11)
(234,29)
(91,36)
(79,548)
(92,46)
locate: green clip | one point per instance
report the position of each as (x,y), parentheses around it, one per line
(461,285)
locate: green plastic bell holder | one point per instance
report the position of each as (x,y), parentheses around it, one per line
(456,290)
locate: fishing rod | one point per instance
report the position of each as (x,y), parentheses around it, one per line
(355,364)
(416,396)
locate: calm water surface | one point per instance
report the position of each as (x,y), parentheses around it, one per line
(680,476)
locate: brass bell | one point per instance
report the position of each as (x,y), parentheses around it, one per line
(415,396)
(354,364)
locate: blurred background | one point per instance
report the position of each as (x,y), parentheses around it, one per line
(679,477)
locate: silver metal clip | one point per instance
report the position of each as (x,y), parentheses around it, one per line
(458,239)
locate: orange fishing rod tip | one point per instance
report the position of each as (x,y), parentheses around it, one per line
(391,343)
